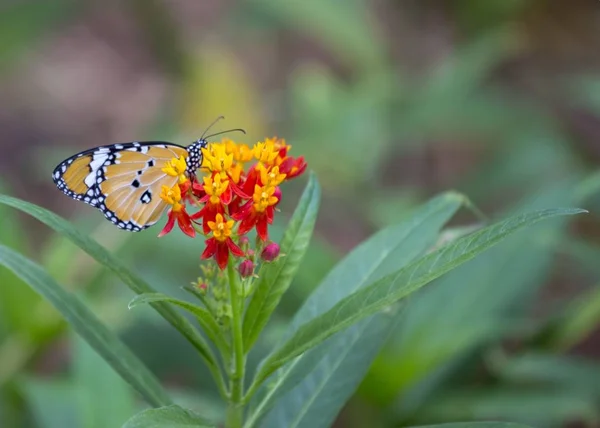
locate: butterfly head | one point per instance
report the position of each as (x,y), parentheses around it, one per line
(194,159)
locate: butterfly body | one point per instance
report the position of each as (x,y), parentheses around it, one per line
(124,180)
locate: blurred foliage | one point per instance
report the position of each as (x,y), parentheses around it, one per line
(389,102)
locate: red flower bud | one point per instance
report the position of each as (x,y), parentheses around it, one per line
(243,241)
(246,268)
(270,252)
(203,287)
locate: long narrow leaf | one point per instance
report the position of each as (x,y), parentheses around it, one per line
(326,376)
(167,417)
(103,398)
(397,286)
(476,425)
(85,323)
(275,278)
(134,282)
(206,320)
(548,407)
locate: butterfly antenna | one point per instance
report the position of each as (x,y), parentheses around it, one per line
(229,130)
(210,126)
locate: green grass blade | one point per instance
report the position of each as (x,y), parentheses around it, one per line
(275,278)
(397,286)
(134,282)
(85,323)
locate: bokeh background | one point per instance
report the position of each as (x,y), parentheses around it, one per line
(391,102)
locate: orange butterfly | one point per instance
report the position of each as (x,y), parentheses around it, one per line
(124,180)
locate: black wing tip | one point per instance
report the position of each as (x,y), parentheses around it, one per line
(57,173)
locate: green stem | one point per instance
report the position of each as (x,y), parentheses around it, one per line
(235,410)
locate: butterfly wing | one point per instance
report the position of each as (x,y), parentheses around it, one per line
(123,181)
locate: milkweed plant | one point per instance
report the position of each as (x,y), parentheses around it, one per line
(242,280)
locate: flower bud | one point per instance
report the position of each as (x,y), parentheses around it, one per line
(246,268)
(244,243)
(270,252)
(202,287)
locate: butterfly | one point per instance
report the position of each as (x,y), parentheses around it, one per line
(124,181)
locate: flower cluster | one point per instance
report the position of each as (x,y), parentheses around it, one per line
(238,193)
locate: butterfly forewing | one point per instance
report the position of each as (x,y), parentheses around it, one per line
(75,174)
(123,181)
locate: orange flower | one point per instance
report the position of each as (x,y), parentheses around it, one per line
(270,176)
(177,212)
(221,243)
(259,211)
(217,190)
(240,189)
(265,152)
(293,167)
(176,167)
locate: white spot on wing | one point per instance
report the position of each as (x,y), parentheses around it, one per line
(98,159)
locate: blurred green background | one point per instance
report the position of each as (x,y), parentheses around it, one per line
(390,101)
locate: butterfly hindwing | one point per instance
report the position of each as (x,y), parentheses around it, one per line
(123,181)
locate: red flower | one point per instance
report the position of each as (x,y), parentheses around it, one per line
(232,193)
(208,214)
(258,212)
(221,243)
(177,212)
(251,180)
(217,194)
(292,167)
(183,221)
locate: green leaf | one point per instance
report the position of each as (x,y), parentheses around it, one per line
(333,26)
(134,282)
(476,425)
(581,316)
(16,298)
(489,294)
(275,278)
(85,323)
(206,320)
(52,402)
(576,374)
(540,407)
(329,374)
(102,398)
(394,287)
(168,417)
(588,188)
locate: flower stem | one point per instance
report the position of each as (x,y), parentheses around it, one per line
(235,410)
